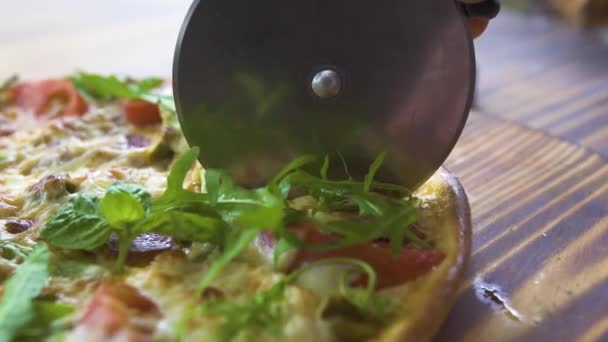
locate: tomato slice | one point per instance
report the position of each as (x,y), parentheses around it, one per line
(38,95)
(110,310)
(391,270)
(141,113)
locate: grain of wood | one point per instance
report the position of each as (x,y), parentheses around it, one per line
(531,236)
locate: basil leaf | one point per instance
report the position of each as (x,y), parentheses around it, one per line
(134,189)
(121,209)
(77,225)
(16,308)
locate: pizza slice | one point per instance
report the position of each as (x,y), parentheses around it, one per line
(110,229)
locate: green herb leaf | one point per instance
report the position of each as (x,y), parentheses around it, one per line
(103,87)
(8,83)
(149,83)
(235,243)
(135,190)
(11,250)
(4,92)
(46,321)
(121,209)
(177,175)
(184,226)
(370,305)
(109,87)
(325,168)
(264,312)
(213,180)
(373,169)
(294,165)
(16,308)
(77,225)
(287,243)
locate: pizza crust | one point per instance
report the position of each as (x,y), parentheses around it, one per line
(427,301)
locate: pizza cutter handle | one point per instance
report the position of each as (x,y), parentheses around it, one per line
(488,9)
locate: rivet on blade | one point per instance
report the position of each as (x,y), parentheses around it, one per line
(326,84)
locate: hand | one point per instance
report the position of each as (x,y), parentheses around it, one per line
(476,24)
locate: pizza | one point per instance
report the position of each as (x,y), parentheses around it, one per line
(111,230)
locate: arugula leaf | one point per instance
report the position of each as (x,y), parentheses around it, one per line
(16,307)
(175,195)
(292,166)
(103,87)
(78,224)
(149,83)
(365,300)
(108,87)
(325,168)
(379,216)
(264,311)
(213,179)
(235,243)
(373,169)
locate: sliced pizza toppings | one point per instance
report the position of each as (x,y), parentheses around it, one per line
(126,203)
(141,113)
(38,96)
(119,311)
(411,263)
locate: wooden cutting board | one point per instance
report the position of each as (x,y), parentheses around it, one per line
(539,270)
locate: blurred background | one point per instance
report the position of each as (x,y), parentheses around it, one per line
(542,63)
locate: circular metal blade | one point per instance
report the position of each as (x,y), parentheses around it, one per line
(258,83)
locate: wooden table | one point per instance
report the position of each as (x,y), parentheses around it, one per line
(532,157)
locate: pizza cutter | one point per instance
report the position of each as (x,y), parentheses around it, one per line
(258,83)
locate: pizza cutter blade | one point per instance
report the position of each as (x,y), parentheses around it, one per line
(258,83)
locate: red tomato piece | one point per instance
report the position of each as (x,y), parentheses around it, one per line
(38,95)
(141,113)
(110,310)
(391,270)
